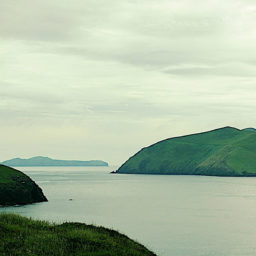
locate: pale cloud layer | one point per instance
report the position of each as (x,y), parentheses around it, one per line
(101,79)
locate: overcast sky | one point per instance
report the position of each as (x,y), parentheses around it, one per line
(100,79)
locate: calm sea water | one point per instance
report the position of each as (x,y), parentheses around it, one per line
(172,215)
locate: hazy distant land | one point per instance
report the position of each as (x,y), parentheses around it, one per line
(226,151)
(46,161)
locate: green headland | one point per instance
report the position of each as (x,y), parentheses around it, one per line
(18,188)
(222,152)
(46,161)
(21,236)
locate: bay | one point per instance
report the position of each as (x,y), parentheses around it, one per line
(171,215)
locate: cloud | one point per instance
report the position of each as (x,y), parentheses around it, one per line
(121,74)
(48,21)
(228,69)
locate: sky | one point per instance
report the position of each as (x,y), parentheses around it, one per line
(100,79)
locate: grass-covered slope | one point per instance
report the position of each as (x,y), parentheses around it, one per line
(222,152)
(18,188)
(21,236)
(46,161)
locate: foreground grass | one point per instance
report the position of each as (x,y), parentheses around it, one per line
(20,236)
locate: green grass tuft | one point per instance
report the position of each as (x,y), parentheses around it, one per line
(22,236)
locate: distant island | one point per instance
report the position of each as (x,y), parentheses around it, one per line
(46,161)
(16,188)
(27,237)
(225,151)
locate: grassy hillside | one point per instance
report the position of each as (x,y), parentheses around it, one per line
(222,152)
(18,188)
(46,161)
(25,237)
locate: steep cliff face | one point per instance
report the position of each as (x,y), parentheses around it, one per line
(222,152)
(18,188)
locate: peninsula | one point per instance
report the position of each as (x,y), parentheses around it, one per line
(46,161)
(225,151)
(16,188)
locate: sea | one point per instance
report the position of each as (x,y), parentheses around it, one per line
(171,215)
